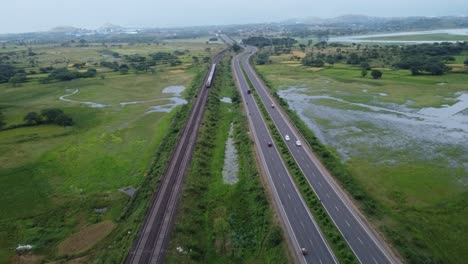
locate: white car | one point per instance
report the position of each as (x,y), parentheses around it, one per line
(298,143)
(287,137)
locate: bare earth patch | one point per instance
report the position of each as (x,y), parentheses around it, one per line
(27,259)
(299,54)
(314,69)
(85,238)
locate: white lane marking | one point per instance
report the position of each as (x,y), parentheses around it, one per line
(302,224)
(312,244)
(337,208)
(347,223)
(302,157)
(284,186)
(360,240)
(307,165)
(327,195)
(320,261)
(319,184)
(375,260)
(289,196)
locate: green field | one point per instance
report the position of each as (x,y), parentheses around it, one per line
(53,178)
(422,37)
(417,179)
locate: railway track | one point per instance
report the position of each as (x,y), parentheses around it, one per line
(152,240)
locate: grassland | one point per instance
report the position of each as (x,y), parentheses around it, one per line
(416,181)
(219,222)
(53,178)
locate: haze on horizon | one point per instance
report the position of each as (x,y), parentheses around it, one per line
(33,15)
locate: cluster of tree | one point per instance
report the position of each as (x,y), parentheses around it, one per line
(312,61)
(422,64)
(262,58)
(163,56)
(63,74)
(48,116)
(9,74)
(318,60)
(236,48)
(115,66)
(262,41)
(429,58)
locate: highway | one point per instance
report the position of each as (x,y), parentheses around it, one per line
(152,240)
(300,228)
(366,244)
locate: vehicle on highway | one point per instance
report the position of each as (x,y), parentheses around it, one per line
(287,137)
(298,142)
(304,251)
(248,91)
(269,144)
(272,106)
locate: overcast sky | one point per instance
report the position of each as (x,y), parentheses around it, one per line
(40,15)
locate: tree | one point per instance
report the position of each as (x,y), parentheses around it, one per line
(302,46)
(64,120)
(195,59)
(32,118)
(309,42)
(236,47)
(17,78)
(263,58)
(51,114)
(6,72)
(56,116)
(364,73)
(123,69)
(466,62)
(365,65)
(376,74)
(353,59)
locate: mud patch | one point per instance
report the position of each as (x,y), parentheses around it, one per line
(130,191)
(86,238)
(231,164)
(226,100)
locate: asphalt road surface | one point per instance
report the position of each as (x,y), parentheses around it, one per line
(299,224)
(366,244)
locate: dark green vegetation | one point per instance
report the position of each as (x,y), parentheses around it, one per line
(417,202)
(219,222)
(47,116)
(58,181)
(328,228)
(262,41)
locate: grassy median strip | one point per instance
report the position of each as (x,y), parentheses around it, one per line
(330,231)
(219,222)
(118,244)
